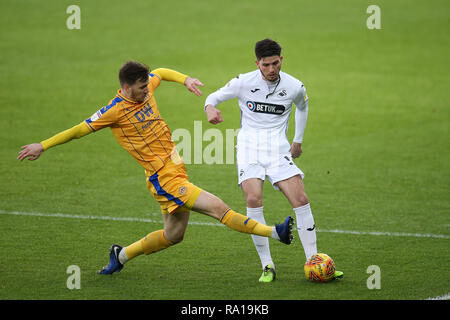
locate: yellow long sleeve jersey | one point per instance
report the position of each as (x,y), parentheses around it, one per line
(137,127)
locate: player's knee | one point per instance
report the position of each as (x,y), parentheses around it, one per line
(254,201)
(302,200)
(174,233)
(218,206)
(175,238)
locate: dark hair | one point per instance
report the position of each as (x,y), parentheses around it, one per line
(132,71)
(267,48)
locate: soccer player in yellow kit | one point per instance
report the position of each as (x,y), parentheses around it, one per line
(136,123)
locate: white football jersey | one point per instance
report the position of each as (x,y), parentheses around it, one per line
(265,110)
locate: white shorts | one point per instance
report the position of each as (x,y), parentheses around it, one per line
(275,171)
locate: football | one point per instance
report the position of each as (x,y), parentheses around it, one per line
(320,268)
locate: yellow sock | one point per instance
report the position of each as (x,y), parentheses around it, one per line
(134,250)
(241,223)
(151,243)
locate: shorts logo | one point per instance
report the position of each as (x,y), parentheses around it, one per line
(182,190)
(289,160)
(266,107)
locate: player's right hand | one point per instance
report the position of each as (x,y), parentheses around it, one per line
(192,85)
(31,151)
(213,115)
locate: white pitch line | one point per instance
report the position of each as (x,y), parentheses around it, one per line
(444,297)
(213,224)
(77,216)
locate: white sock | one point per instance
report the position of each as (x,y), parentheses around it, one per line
(123,256)
(275,234)
(261,243)
(306,229)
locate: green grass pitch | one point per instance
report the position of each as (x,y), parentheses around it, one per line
(376,147)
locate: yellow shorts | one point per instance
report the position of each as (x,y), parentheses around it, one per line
(170,186)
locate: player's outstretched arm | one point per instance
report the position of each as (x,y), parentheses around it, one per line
(33,151)
(191,84)
(230,91)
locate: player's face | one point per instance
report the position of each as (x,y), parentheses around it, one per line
(270,67)
(139,91)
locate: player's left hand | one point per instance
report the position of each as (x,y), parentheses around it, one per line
(191,84)
(296,149)
(30,151)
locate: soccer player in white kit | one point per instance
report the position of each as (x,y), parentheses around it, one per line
(265,98)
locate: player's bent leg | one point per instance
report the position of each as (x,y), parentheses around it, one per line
(211,205)
(253,192)
(175,225)
(252,189)
(294,191)
(154,242)
(151,243)
(261,243)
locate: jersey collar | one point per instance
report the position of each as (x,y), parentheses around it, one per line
(277,83)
